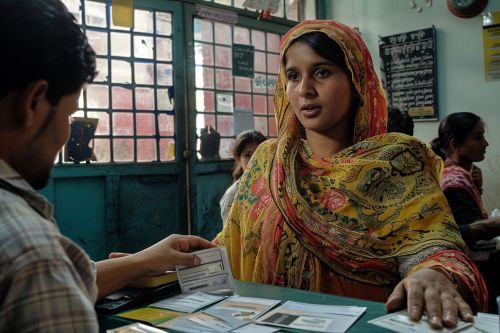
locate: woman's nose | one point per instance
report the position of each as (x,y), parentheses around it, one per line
(306,88)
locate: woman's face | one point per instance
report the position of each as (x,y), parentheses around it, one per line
(246,154)
(474,146)
(319,91)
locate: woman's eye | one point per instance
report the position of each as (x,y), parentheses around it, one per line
(292,76)
(322,73)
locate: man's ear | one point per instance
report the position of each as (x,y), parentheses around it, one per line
(33,103)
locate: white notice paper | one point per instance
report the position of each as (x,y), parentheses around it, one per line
(313,317)
(212,275)
(187,302)
(401,323)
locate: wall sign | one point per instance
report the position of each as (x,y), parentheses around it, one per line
(243,60)
(408,67)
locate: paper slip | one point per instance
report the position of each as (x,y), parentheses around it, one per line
(187,302)
(238,310)
(184,324)
(135,328)
(313,317)
(150,315)
(212,275)
(401,323)
(484,323)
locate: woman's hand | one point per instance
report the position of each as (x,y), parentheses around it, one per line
(430,290)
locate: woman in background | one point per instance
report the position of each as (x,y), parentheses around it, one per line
(461,143)
(244,146)
(334,205)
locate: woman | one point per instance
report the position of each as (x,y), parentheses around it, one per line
(331,207)
(244,146)
(461,143)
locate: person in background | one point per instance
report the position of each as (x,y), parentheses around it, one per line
(399,121)
(335,205)
(244,146)
(461,143)
(47,282)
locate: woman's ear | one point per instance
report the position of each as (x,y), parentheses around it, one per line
(33,103)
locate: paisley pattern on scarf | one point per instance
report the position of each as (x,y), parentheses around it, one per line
(341,224)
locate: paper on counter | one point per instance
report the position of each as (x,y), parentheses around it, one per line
(135,328)
(239,310)
(484,323)
(212,275)
(252,328)
(401,323)
(184,324)
(187,302)
(313,317)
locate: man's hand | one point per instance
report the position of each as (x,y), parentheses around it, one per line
(430,290)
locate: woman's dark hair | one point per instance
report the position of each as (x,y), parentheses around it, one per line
(455,126)
(399,121)
(41,40)
(242,140)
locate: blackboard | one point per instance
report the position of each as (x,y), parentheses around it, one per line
(243,56)
(408,66)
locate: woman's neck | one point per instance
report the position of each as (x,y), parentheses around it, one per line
(325,146)
(463,163)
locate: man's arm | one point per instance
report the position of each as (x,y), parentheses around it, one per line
(114,274)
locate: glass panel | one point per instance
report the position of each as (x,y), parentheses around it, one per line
(143,47)
(163,23)
(204,77)
(164,49)
(95,14)
(102,150)
(273,42)
(121,71)
(239,3)
(166,124)
(102,69)
(223,57)
(259,40)
(144,99)
(164,74)
(145,124)
(223,79)
(121,98)
(120,44)
(273,63)
(222,33)
(224,102)
(205,101)
(272,127)
(243,101)
(242,84)
(144,72)
(167,150)
(74,8)
(98,41)
(241,35)
(143,21)
(260,124)
(123,124)
(271,84)
(123,150)
(259,83)
(103,124)
(292,9)
(259,61)
(223,2)
(225,125)
(203,120)
(146,150)
(270,105)
(280,12)
(97,96)
(164,102)
(203,54)
(226,148)
(259,104)
(203,30)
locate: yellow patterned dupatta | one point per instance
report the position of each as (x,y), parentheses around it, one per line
(344,224)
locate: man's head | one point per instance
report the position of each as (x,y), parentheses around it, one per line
(44,63)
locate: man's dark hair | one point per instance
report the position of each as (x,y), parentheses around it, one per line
(399,121)
(42,40)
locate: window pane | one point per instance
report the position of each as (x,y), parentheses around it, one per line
(121,71)
(144,99)
(98,41)
(203,30)
(270,105)
(271,84)
(259,104)
(164,49)
(143,21)
(241,35)
(95,14)
(224,103)
(167,149)
(123,150)
(273,42)
(273,63)
(164,103)
(120,44)
(223,57)
(122,98)
(204,77)
(97,96)
(226,148)
(143,47)
(164,23)
(222,33)
(74,8)
(203,120)
(243,101)
(123,124)
(272,127)
(225,125)
(242,84)
(146,150)
(166,125)
(292,9)
(102,70)
(223,79)
(260,124)
(259,83)
(205,101)
(101,150)
(259,40)
(259,61)
(203,54)
(144,72)
(103,124)
(145,124)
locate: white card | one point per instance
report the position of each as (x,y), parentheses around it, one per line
(187,302)
(212,275)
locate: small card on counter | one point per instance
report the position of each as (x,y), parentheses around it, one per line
(135,328)
(401,323)
(191,324)
(187,302)
(212,275)
(313,317)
